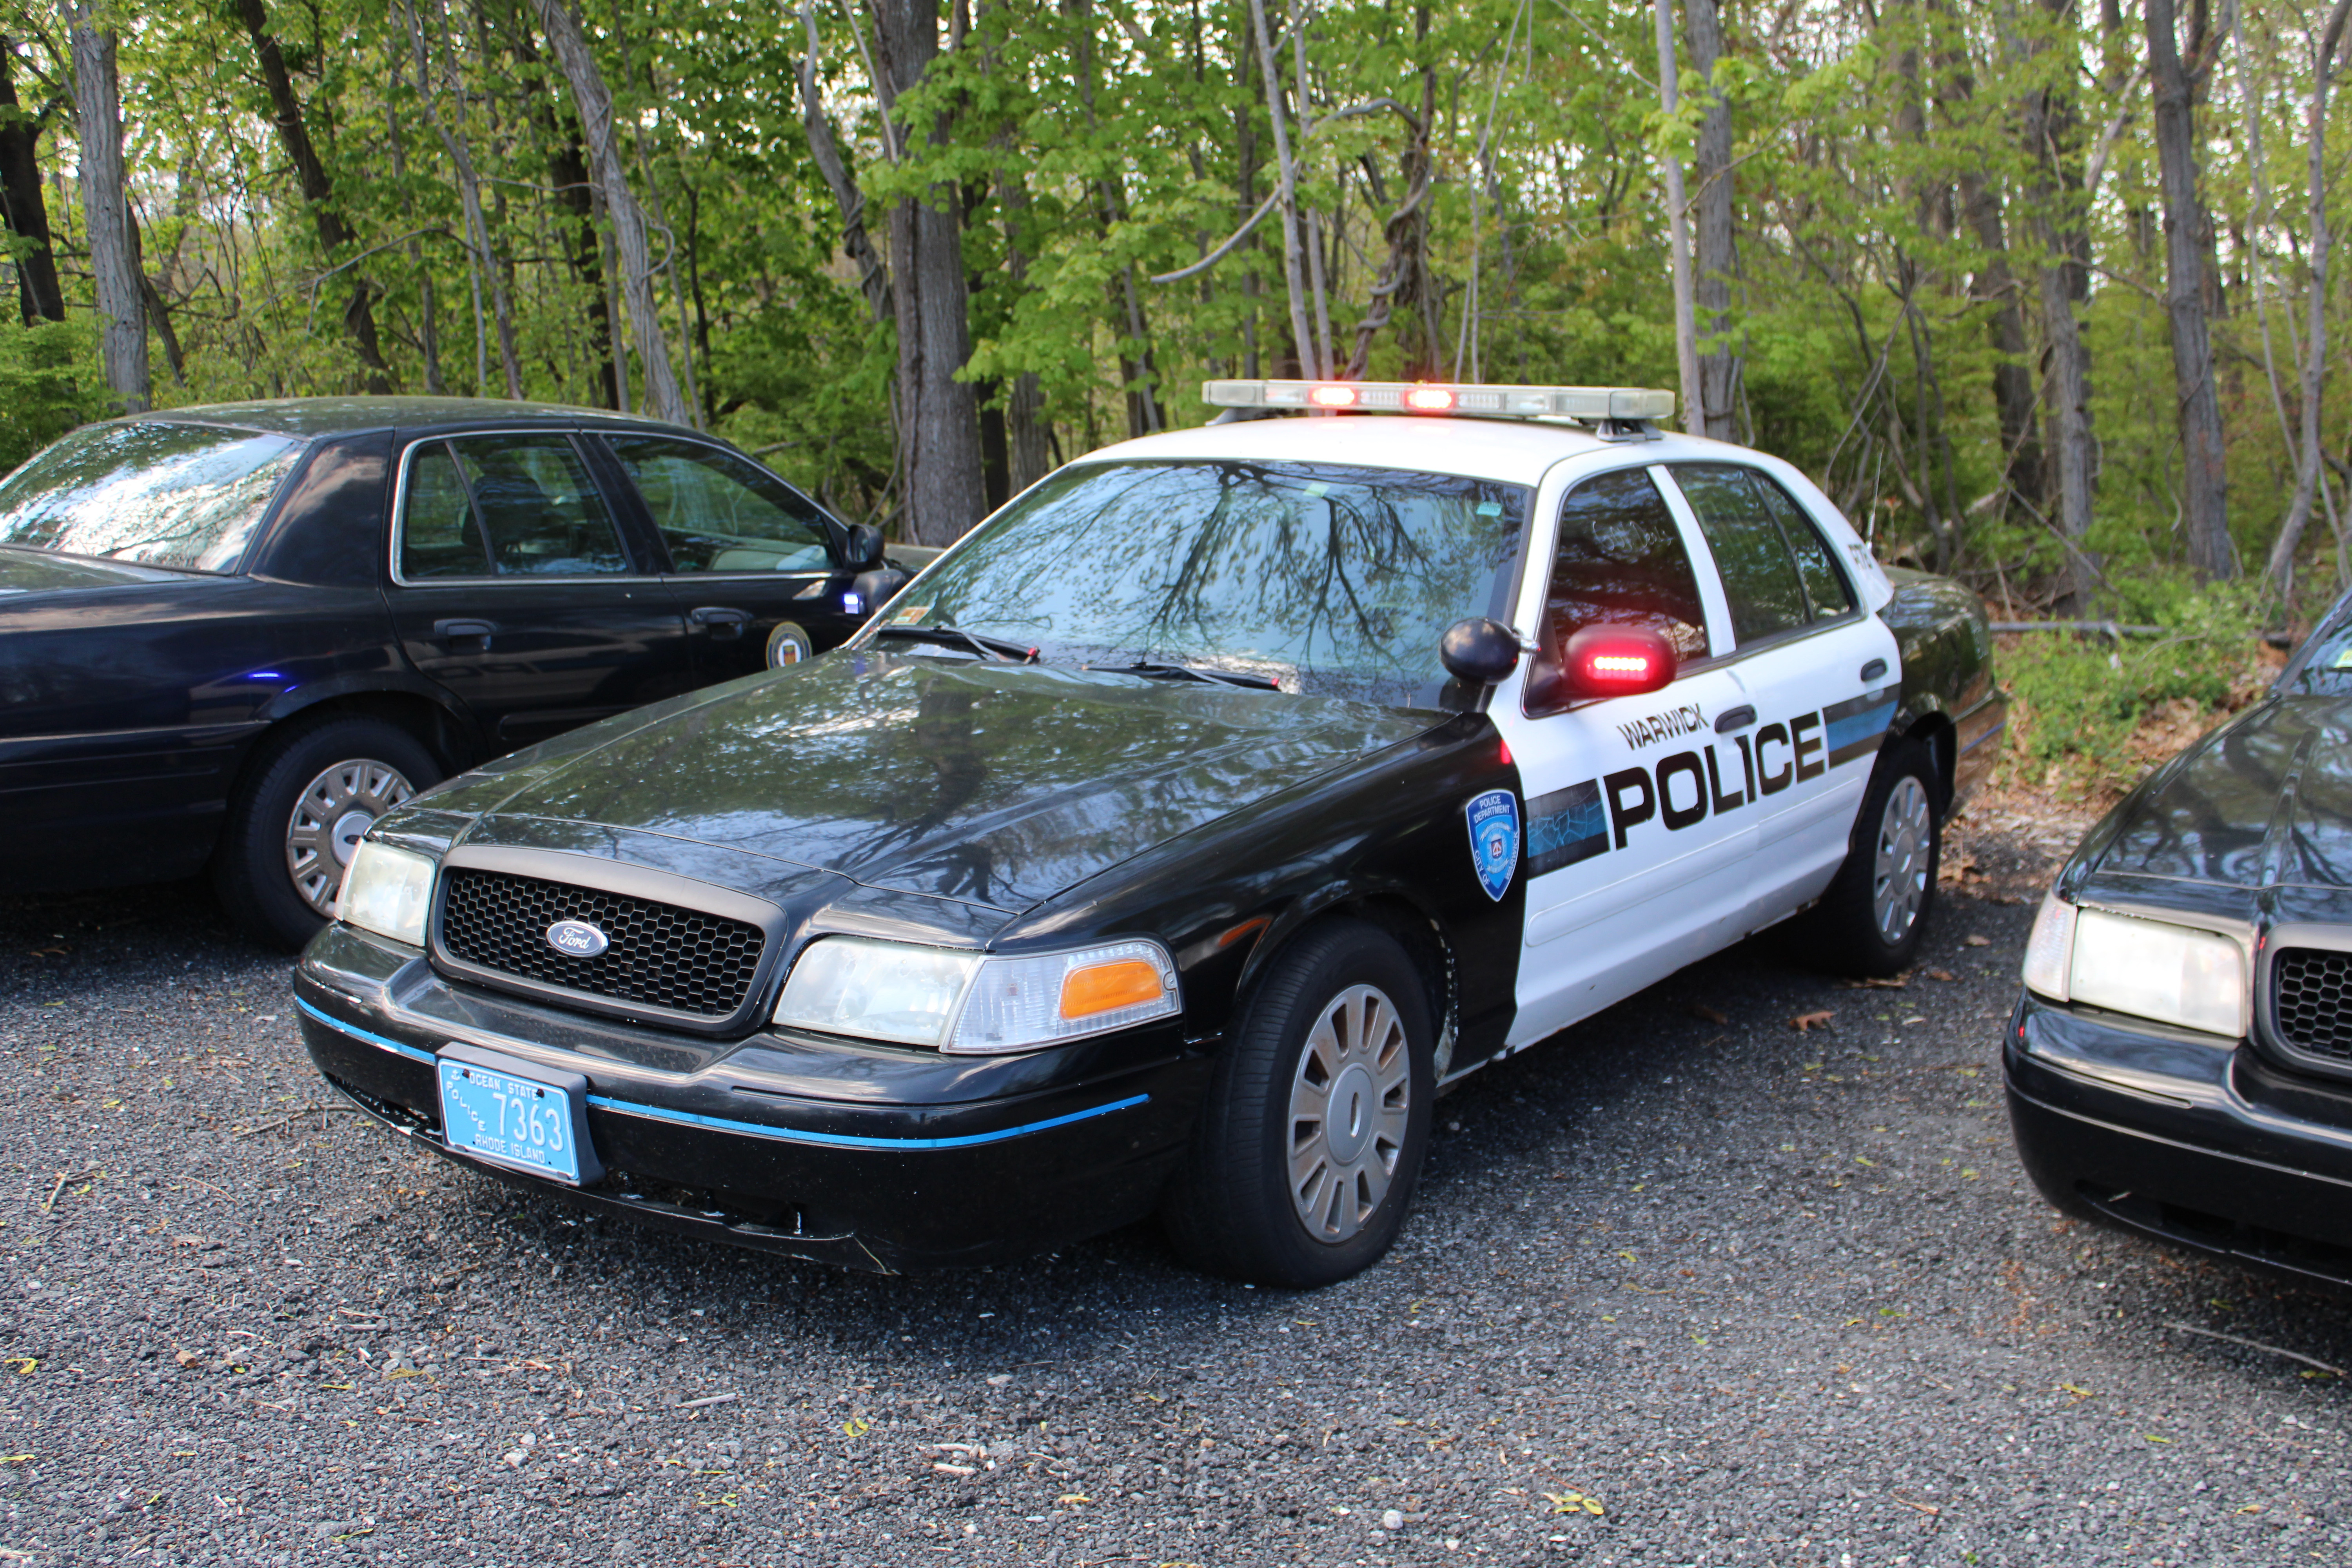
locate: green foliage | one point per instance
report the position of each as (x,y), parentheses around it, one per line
(49,383)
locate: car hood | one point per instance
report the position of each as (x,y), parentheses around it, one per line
(23,571)
(2262,802)
(993,784)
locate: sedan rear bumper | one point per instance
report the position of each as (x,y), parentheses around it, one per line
(2193,1142)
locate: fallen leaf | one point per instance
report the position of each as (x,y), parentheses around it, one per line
(1939,975)
(24,1365)
(855,1428)
(2077,1391)
(1978,941)
(1803,1022)
(1701,1010)
(1881,983)
(1071,1500)
(187,1357)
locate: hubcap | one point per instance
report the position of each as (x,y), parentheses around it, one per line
(333,812)
(1899,879)
(1350,1102)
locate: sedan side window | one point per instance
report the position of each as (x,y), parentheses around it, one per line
(505,506)
(1759,577)
(1619,561)
(718,513)
(1825,585)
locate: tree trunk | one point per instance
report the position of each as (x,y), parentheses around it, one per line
(469,186)
(2315,348)
(1719,367)
(105,210)
(938,418)
(594,102)
(1286,178)
(1678,226)
(824,148)
(21,200)
(567,170)
(318,192)
(2187,241)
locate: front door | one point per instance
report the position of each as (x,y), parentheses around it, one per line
(1638,838)
(512,587)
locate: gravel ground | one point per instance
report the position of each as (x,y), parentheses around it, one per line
(1688,1286)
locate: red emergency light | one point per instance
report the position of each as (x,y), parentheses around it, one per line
(1617,661)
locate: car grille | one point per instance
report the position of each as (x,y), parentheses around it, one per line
(661,954)
(2308,989)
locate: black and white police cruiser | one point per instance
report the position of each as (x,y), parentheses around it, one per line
(1170,842)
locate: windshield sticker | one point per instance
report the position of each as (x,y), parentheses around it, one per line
(1685,720)
(1490,509)
(1493,819)
(2343,660)
(912,615)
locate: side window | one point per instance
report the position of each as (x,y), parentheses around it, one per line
(1825,585)
(718,513)
(439,535)
(1619,560)
(1758,576)
(540,509)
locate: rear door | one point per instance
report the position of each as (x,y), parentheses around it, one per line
(512,586)
(1638,835)
(754,565)
(1820,676)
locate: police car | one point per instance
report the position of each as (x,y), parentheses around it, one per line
(1170,843)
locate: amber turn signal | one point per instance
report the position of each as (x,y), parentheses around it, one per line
(1106,987)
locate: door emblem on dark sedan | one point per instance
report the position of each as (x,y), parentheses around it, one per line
(576,939)
(1494,839)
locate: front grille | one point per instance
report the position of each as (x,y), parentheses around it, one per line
(2309,986)
(684,960)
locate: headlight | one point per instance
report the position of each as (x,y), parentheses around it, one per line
(970,1002)
(387,891)
(2151,969)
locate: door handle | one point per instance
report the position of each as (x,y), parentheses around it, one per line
(458,631)
(1873,669)
(723,621)
(1732,719)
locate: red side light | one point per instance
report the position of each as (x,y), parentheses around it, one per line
(1333,396)
(1430,399)
(1507,753)
(1613,661)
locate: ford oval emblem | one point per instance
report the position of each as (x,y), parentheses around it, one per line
(576,939)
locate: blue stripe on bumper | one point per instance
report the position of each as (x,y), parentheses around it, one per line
(782,1134)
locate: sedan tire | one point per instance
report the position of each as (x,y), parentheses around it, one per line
(1870,920)
(306,798)
(1307,1151)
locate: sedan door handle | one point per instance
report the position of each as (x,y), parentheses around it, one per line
(1732,719)
(1873,669)
(724,621)
(458,631)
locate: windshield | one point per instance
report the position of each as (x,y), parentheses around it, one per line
(157,493)
(1331,580)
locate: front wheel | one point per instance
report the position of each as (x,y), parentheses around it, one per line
(1871,917)
(292,828)
(1308,1152)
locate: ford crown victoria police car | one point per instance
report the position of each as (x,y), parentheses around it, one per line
(1171,841)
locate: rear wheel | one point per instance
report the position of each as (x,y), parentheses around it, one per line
(1308,1152)
(306,802)
(1871,917)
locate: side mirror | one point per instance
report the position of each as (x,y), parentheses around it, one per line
(1616,661)
(875,588)
(1479,651)
(865,547)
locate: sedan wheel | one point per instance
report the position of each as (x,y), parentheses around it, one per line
(1905,829)
(1869,921)
(1350,1103)
(333,812)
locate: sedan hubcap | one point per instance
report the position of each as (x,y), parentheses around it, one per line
(333,812)
(1899,881)
(1348,1105)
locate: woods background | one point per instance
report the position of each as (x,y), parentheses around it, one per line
(2042,294)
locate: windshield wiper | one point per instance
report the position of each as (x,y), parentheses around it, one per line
(1003,651)
(1151,670)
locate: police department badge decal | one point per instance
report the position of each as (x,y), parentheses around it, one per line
(1493,819)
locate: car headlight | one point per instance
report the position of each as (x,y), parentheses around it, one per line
(975,1003)
(2151,969)
(387,890)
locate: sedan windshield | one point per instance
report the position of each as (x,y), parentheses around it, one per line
(153,492)
(1333,580)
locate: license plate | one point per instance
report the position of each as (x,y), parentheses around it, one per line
(497,1116)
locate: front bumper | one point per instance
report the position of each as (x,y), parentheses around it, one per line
(867,1157)
(2192,1141)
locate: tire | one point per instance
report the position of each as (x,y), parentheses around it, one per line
(1273,1190)
(305,799)
(1870,920)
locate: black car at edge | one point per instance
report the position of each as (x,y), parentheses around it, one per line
(2180,1063)
(233,637)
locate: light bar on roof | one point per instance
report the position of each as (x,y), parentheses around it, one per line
(1624,402)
